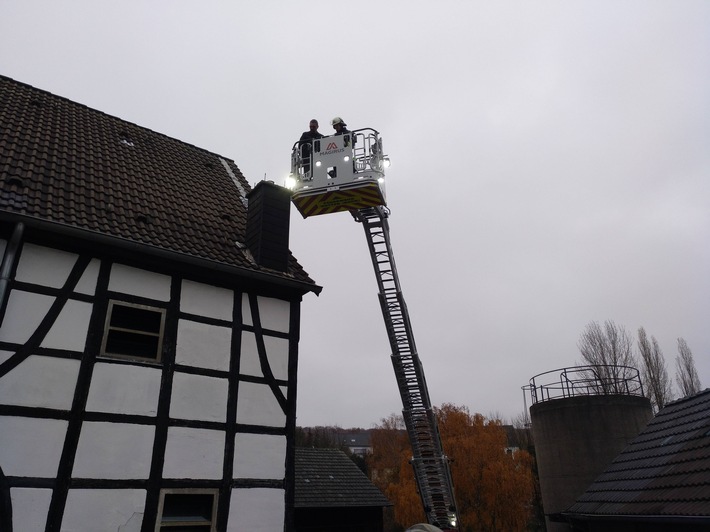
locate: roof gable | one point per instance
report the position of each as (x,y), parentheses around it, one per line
(66,164)
(664,471)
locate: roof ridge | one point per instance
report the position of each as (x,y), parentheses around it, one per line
(692,397)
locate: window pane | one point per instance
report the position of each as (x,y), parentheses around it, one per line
(133,344)
(135,318)
(188,507)
(189,528)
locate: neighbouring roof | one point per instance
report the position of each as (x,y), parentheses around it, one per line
(328,478)
(65,164)
(664,471)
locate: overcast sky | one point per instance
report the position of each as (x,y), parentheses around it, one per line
(550,165)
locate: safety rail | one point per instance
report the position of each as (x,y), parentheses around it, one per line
(367,151)
(602,379)
(367,154)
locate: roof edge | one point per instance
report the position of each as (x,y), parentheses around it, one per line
(656,518)
(147,249)
(341,504)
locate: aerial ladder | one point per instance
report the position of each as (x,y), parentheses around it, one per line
(346,172)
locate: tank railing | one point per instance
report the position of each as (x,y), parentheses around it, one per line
(585,380)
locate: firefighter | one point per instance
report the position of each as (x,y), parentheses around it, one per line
(339,126)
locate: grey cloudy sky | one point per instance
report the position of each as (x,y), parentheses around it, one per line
(550,159)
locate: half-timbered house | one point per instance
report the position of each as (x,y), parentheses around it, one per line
(149,326)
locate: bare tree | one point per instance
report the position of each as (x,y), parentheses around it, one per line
(686,375)
(522,431)
(653,371)
(610,350)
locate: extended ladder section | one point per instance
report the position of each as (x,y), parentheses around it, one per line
(431,466)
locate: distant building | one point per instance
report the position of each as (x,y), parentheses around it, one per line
(149,326)
(514,436)
(660,482)
(358,442)
(333,494)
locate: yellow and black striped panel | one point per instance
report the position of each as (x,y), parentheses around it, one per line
(313,203)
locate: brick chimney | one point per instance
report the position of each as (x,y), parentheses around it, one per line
(268,217)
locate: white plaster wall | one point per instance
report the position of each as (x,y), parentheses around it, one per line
(256,509)
(273,313)
(87,283)
(276,353)
(5,355)
(133,524)
(203,345)
(103,510)
(29,508)
(40,382)
(70,328)
(256,405)
(124,389)
(199,397)
(259,456)
(249,358)
(205,300)
(246,311)
(44,266)
(31,447)
(24,313)
(193,453)
(114,450)
(137,282)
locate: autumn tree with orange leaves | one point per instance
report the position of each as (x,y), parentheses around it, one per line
(494,489)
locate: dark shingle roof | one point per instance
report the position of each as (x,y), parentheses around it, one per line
(64,163)
(664,471)
(328,478)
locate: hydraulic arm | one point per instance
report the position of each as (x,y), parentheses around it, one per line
(431,466)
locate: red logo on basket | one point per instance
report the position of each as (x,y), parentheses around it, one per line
(332,146)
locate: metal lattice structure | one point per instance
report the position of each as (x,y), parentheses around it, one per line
(431,465)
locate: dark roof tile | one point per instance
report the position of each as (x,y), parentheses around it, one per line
(328,478)
(664,471)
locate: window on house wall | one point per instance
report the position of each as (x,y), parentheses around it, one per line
(184,510)
(133,331)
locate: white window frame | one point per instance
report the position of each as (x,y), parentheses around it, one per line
(108,328)
(187,523)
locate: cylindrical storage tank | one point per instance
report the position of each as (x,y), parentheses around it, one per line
(576,438)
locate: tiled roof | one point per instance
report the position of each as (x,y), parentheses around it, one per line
(664,471)
(328,478)
(64,163)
